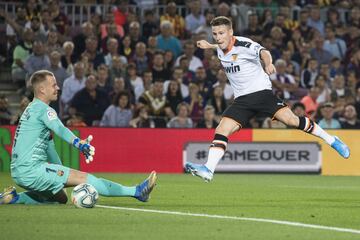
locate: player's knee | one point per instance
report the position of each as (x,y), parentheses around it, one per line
(293,121)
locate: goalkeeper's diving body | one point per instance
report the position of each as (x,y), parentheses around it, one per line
(35,165)
(241,58)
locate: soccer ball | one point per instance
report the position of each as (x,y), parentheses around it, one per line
(84,196)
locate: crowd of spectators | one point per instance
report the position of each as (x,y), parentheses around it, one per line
(121,68)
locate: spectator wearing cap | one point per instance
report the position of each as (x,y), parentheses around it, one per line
(328,121)
(166,41)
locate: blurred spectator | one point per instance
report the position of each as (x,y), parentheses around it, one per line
(205,87)
(90,101)
(309,74)
(158,69)
(181,120)
(140,58)
(268,44)
(314,20)
(173,94)
(324,89)
(223,83)
(95,57)
(147,78)
(214,67)
(254,32)
(310,102)
(59,18)
(298,109)
(121,12)
(206,28)
(103,81)
(21,53)
(136,81)
(334,21)
(354,64)
(5,114)
(352,82)
(119,113)
(240,10)
(109,28)
(56,68)
(24,102)
(286,56)
(223,9)
(188,75)
(125,48)
(328,121)
(194,19)
(177,76)
(305,29)
(135,34)
(319,53)
(176,20)
(166,41)
(117,68)
(208,56)
(284,84)
(14,27)
(279,23)
(113,50)
(72,85)
(169,60)
(68,58)
(189,49)
(196,102)
(335,67)
(38,29)
(336,46)
(47,21)
(52,43)
(118,86)
(156,102)
(150,25)
(350,118)
(142,120)
(87,30)
(218,102)
(38,60)
(268,4)
(339,88)
(75,120)
(208,121)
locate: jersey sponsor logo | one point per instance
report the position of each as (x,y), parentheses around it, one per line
(51,115)
(232,69)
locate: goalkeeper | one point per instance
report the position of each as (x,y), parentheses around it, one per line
(35,165)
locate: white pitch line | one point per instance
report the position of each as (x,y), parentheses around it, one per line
(295,224)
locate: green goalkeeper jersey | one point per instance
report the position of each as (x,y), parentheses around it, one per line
(33,134)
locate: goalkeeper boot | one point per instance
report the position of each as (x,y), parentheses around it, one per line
(341,148)
(199,170)
(9,196)
(144,189)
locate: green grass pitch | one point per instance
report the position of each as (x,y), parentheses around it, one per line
(309,199)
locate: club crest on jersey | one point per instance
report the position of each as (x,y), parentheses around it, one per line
(234,57)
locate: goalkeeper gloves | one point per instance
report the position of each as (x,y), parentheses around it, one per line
(85,147)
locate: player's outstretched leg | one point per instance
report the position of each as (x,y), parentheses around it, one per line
(309,126)
(199,170)
(216,152)
(112,189)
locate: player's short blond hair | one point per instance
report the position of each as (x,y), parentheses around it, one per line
(221,20)
(39,77)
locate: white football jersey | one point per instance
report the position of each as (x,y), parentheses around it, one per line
(243,67)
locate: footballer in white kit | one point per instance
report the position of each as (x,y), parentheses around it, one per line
(247,66)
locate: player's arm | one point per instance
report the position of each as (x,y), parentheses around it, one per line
(53,122)
(203,44)
(265,56)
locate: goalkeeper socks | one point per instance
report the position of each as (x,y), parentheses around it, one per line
(216,151)
(109,188)
(309,126)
